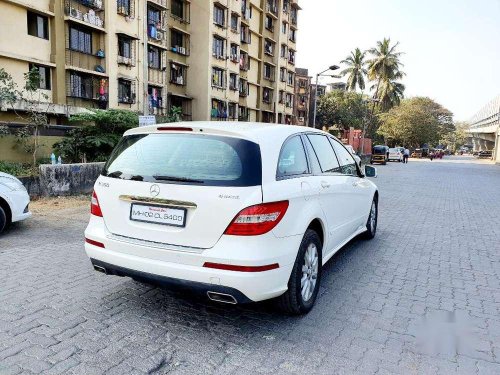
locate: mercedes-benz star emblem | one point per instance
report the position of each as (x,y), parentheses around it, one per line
(154,190)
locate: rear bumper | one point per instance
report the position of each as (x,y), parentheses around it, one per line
(173,267)
(169,282)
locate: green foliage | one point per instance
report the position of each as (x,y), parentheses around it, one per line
(384,68)
(4,130)
(415,122)
(342,108)
(355,70)
(96,138)
(16,169)
(7,88)
(174,115)
(456,138)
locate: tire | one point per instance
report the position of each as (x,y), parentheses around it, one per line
(371,223)
(3,220)
(297,301)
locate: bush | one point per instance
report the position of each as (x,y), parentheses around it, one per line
(99,134)
(16,169)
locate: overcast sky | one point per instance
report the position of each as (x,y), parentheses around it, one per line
(452,47)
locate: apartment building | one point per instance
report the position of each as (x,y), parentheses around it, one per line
(251,59)
(302,94)
(216,59)
(320,91)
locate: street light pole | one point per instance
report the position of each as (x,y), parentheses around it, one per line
(333,67)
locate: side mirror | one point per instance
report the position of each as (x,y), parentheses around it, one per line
(370,171)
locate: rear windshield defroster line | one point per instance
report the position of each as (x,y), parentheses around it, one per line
(186,159)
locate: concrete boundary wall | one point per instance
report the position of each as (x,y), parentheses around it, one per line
(63,180)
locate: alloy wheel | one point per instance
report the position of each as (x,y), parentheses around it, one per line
(373,217)
(309,272)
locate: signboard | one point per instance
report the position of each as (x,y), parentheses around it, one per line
(147,120)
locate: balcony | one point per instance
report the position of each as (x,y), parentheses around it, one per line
(272,8)
(89,12)
(85,61)
(156,76)
(85,90)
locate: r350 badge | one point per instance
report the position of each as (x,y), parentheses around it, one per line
(103,184)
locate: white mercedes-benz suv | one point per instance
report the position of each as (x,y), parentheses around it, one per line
(240,211)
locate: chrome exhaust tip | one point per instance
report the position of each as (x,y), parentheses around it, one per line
(222,298)
(100,269)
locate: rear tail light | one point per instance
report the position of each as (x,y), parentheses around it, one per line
(258,219)
(95,209)
(232,267)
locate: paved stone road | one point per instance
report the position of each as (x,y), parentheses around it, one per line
(423,297)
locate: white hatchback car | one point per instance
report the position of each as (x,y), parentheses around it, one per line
(14,201)
(241,211)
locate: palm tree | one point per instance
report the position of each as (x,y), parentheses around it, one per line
(384,67)
(355,70)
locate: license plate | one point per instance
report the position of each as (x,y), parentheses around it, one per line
(154,214)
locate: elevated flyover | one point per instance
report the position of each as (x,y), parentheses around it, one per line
(485,129)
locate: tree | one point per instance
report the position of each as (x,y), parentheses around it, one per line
(34,105)
(94,141)
(355,70)
(342,108)
(414,122)
(457,138)
(384,69)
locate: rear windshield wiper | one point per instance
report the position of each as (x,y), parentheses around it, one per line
(115,174)
(179,179)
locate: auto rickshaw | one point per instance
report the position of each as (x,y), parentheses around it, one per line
(380,154)
(417,153)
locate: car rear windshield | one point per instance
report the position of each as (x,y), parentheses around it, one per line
(186,159)
(393,150)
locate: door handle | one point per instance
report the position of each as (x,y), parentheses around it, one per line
(325,184)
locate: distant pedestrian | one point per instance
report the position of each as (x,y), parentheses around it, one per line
(406,155)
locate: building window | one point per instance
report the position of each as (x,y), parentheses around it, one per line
(219,47)
(155,98)
(302,83)
(80,40)
(243,87)
(178,42)
(154,57)
(286,5)
(234,53)
(294,16)
(291,56)
(284,50)
(289,100)
(234,22)
(284,27)
(267,95)
(219,109)
(269,47)
(292,35)
(124,7)
(38,25)
(124,47)
(269,23)
(282,74)
(43,76)
(290,78)
(154,24)
(232,111)
(246,36)
(269,72)
(219,78)
(126,94)
(244,61)
(81,86)
(177,74)
(177,8)
(233,81)
(281,96)
(302,100)
(219,16)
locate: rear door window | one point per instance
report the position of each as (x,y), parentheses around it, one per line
(347,163)
(292,160)
(324,151)
(186,159)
